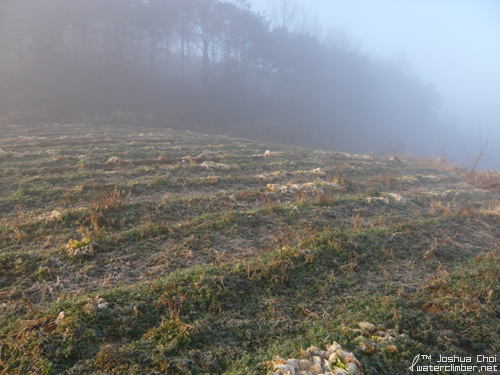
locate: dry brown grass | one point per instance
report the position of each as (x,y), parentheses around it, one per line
(489,180)
(439,164)
(108,200)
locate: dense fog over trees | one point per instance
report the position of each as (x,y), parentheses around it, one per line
(209,66)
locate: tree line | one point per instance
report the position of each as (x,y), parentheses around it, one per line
(206,65)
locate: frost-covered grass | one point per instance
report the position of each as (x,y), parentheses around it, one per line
(144,251)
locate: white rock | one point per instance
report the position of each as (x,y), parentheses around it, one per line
(362,157)
(292,362)
(304,364)
(54,215)
(346,357)
(60,317)
(352,368)
(102,304)
(396,197)
(392,349)
(326,354)
(367,327)
(316,360)
(287,368)
(112,160)
(338,371)
(326,365)
(334,347)
(314,351)
(333,358)
(381,199)
(212,165)
(381,333)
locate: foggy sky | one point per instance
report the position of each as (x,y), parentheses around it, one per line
(452,44)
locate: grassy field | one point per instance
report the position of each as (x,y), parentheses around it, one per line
(143,251)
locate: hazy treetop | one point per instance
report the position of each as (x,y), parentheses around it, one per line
(453,44)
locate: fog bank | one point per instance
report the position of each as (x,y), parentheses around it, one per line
(226,67)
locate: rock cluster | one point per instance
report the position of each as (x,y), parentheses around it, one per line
(270,176)
(312,172)
(212,165)
(113,160)
(77,251)
(95,304)
(50,216)
(267,154)
(308,187)
(385,199)
(332,361)
(372,336)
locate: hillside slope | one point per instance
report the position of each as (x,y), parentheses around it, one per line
(147,251)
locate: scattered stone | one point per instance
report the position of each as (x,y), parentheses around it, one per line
(420,178)
(113,160)
(77,251)
(212,165)
(334,347)
(60,317)
(361,157)
(390,332)
(332,358)
(396,197)
(270,176)
(313,350)
(304,364)
(343,154)
(315,370)
(367,347)
(378,335)
(312,172)
(392,349)
(316,360)
(50,216)
(293,362)
(102,304)
(308,187)
(288,369)
(367,327)
(381,333)
(326,354)
(266,154)
(386,338)
(269,153)
(381,199)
